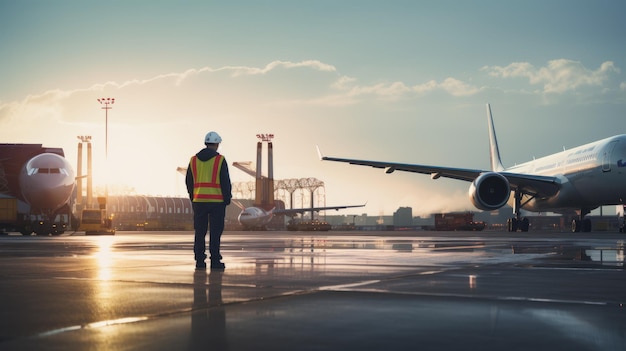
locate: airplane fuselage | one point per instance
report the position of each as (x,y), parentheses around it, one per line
(254,217)
(590,176)
(257,218)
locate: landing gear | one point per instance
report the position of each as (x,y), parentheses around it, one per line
(518,223)
(511,224)
(46,224)
(514,224)
(26,229)
(43,228)
(525,225)
(582,224)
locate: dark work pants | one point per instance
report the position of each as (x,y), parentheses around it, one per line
(208,216)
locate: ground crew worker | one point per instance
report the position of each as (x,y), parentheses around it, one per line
(210,191)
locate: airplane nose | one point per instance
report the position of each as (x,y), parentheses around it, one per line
(47,182)
(48,196)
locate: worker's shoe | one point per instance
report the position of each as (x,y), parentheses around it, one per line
(200,265)
(216,265)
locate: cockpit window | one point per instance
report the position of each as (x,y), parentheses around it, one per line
(48,171)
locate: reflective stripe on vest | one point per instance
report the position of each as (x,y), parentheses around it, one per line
(206,178)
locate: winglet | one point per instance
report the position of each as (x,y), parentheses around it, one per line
(494,151)
(319,153)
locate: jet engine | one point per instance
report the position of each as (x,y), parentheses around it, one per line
(490,191)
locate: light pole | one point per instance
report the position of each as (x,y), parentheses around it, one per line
(106,102)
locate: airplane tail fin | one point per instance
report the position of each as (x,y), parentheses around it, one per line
(238,204)
(494,151)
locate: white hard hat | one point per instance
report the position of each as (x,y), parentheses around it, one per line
(212,138)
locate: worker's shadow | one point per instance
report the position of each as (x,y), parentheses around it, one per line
(208,317)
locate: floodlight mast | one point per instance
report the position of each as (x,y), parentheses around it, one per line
(265,137)
(106,102)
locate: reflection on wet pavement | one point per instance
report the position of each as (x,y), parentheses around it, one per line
(285,290)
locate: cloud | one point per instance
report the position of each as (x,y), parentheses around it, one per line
(227,88)
(237,71)
(46,100)
(236,90)
(559,76)
(396,90)
(313,64)
(456,87)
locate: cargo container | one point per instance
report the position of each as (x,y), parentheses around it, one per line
(8,214)
(16,218)
(457,221)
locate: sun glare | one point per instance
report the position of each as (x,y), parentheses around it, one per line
(104,256)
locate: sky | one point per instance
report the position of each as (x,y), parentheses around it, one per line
(403,81)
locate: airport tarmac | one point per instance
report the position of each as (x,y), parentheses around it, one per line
(315,291)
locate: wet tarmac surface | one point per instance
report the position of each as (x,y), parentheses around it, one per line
(320,291)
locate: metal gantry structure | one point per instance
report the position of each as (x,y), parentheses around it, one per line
(310,192)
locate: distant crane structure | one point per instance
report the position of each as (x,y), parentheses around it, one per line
(84,139)
(264,190)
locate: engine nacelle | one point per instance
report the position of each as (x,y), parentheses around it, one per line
(490,191)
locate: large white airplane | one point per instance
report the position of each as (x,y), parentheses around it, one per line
(45,183)
(256,217)
(577,180)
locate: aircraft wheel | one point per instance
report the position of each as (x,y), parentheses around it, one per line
(576,226)
(524,225)
(586,225)
(43,228)
(512,224)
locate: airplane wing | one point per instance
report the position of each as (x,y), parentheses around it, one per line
(295,211)
(532,184)
(435,172)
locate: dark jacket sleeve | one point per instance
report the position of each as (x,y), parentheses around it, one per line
(225,182)
(189,182)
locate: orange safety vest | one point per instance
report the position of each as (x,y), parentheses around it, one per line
(206,179)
